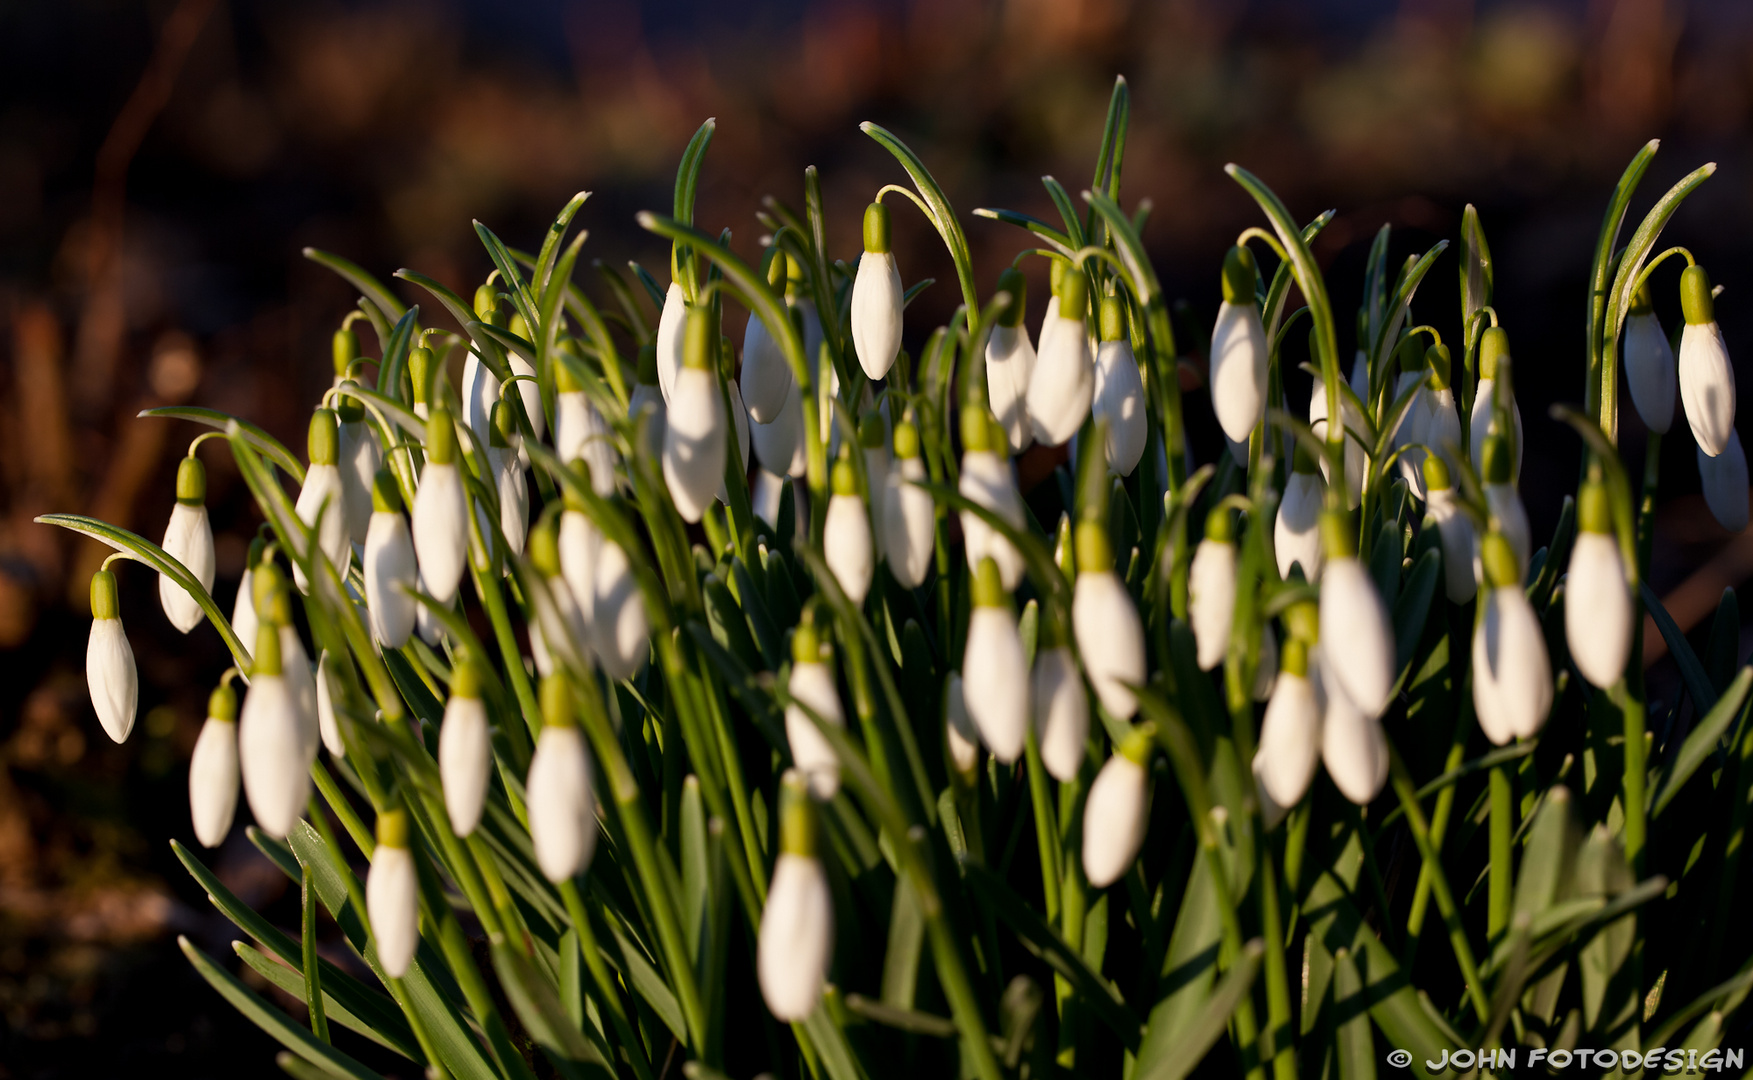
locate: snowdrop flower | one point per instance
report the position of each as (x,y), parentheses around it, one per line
(274,606)
(1062,709)
(1512,676)
(581,432)
(876,297)
(1063,382)
(1442,431)
(528,390)
(1507,511)
(1355,457)
(110,674)
(1354,621)
(670,333)
(441,529)
(768,496)
(272,748)
(987,481)
(360,458)
(327,725)
(243,608)
(1494,366)
(873,442)
(617,622)
(846,535)
(779,445)
(766,377)
(909,516)
(189,540)
(1649,364)
(392,895)
(389,566)
(1110,637)
(1238,352)
(1598,613)
(1290,734)
(422,366)
(1010,363)
(1296,535)
(960,735)
(560,794)
(739,416)
(322,495)
(1454,530)
(1412,432)
(796,940)
(1353,746)
(480,387)
(811,686)
(995,677)
(508,478)
(693,434)
(1119,392)
(1118,810)
(1725,483)
(1266,665)
(1707,380)
(465,754)
(647,398)
(558,618)
(580,544)
(213,769)
(1211,590)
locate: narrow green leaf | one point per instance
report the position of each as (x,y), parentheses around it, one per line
(292,982)
(359,278)
(259,438)
(1060,241)
(1702,741)
(1692,673)
(1353,1039)
(539,1009)
(1476,269)
(1210,1023)
(1723,652)
(1412,607)
(901,959)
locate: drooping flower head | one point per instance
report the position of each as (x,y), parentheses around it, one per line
(465,753)
(1598,612)
(1238,352)
(1010,362)
(694,432)
(560,793)
(1296,535)
(1494,385)
(213,769)
(909,516)
(995,676)
(1649,364)
(1707,379)
(795,943)
(846,535)
(392,895)
(1063,382)
(1512,675)
(441,526)
(189,540)
(1454,530)
(876,297)
(1118,809)
(1119,391)
(1211,589)
(110,674)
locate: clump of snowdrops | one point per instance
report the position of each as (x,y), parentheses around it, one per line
(607,759)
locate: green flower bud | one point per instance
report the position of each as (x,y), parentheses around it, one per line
(1293,657)
(556,703)
(266,659)
(1500,561)
(647,365)
(1056,269)
(989,587)
(906,440)
(191,481)
(1494,345)
(1095,552)
(104,603)
(1643,302)
(420,364)
(845,478)
(1436,358)
(222,703)
(1302,621)
(344,347)
(1497,460)
(386,496)
(870,430)
(1113,319)
(1238,276)
(324,442)
(797,816)
(1696,302)
(1336,535)
(1594,513)
(778,270)
(519,327)
(441,438)
(1074,298)
(1409,354)
(544,547)
(697,338)
(1218,528)
(876,229)
(504,428)
(487,305)
(1013,282)
(976,429)
(1138,744)
(392,828)
(806,645)
(1436,473)
(465,678)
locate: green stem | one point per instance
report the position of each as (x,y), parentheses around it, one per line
(1503,827)
(487,586)
(607,992)
(313,987)
(1439,827)
(1279,1031)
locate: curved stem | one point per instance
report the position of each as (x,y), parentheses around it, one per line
(1255,232)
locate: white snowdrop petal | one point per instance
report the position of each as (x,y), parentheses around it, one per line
(301,686)
(561,803)
(909,523)
(617,624)
(389,575)
(796,939)
(213,781)
(1480,425)
(1650,371)
(1062,385)
(1119,399)
(1296,535)
(360,458)
(479,391)
(779,444)
(1010,363)
(766,378)
(1211,600)
(1512,675)
(1238,369)
(271,756)
(1455,532)
(1290,741)
(514,500)
(1355,623)
(322,493)
(876,312)
(1597,609)
(1707,386)
(1725,483)
(327,726)
(1442,431)
(693,442)
(392,900)
(987,480)
(441,530)
(243,609)
(1110,638)
(1512,520)
(465,759)
(1353,747)
(669,338)
(847,546)
(813,685)
(995,682)
(1062,712)
(189,540)
(112,678)
(1355,458)
(1114,820)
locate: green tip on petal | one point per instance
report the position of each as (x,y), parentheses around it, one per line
(465,678)
(806,643)
(544,547)
(1594,514)
(647,366)
(1217,526)
(1436,473)
(1238,275)
(104,604)
(504,425)
(1136,747)
(1113,319)
(1095,552)
(486,303)
(989,586)
(906,440)
(845,477)
(1293,657)
(420,371)
(568,498)
(976,429)
(191,481)
(870,430)
(1436,358)
(266,660)
(797,816)
(222,703)
(268,590)
(441,438)
(324,442)
(1302,621)
(386,497)
(1500,561)
(1643,302)
(1056,275)
(566,381)
(257,546)
(1336,535)
(1013,282)
(344,347)
(519,327)
(392,828)
(1494,345)
(1074,296)
(556,702)
(1409,354)
(777,270)
(348,409)
(697,338)
(876,229)
(1696,302)
(1496,459)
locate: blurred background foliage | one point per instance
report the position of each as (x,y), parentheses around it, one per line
(162,163)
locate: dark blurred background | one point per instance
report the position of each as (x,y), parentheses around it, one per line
(163,163)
